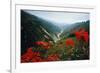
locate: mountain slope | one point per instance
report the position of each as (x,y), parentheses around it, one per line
(35,29)
(69,29)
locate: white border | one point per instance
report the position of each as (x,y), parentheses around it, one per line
(16,66)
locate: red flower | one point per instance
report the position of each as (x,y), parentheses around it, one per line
(30,50)
(29,55)
(53,57)
(26,57)
(45,45)
(85,37)
(70,42)
(82,35)
(36,54)
(78,35)
(36,59)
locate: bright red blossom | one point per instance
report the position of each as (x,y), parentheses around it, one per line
(26,57)
(43,44)
(70,42)
(29,55)
(86,37)
(78,35)
(82,35)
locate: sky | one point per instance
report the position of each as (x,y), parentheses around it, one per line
(60,17)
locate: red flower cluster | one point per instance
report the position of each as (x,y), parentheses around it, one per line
(44,45)
(53,57)
(86,37)
(70,42)
(30,56)
(36,59)
(82,35)
(27,56)
(78,35)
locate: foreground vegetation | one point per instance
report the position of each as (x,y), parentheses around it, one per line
(73,47)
